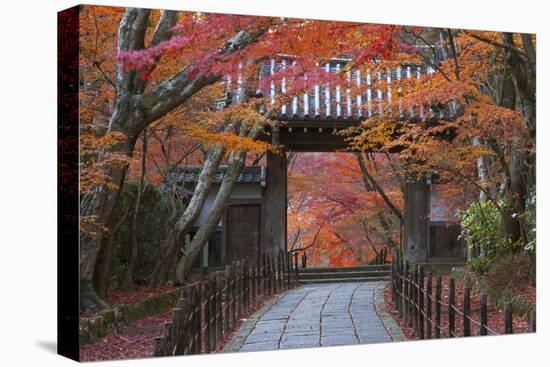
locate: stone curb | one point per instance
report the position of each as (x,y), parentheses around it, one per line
(387,320)
(238,339)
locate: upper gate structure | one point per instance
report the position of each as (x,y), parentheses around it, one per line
(310,121)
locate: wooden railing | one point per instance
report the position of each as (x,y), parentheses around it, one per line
(421,310)
(210,309)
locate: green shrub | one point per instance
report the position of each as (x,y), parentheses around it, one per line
(481,228)
(480,264)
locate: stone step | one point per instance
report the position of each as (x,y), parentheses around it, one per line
(345,274)
(346,269)
(343,280)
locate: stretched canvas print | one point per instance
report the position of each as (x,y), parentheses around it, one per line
(233,183)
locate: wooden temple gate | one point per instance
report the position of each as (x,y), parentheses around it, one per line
(311,122)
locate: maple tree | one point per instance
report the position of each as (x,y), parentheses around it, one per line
(156,77)
(164,59)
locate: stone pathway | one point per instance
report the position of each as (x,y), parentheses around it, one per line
(319,315)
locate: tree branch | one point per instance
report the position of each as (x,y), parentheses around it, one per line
(506,46)
(377,187)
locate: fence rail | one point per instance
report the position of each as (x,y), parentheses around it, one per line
(412,294)
(380,258)
(210,309)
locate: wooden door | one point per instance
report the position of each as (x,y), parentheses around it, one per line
(243,231)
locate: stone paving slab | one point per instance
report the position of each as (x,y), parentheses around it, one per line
(319,315)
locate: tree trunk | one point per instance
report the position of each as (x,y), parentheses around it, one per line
(234,168)
(134,251)
(135,108)
(164,269)
(102,269)
(96,208)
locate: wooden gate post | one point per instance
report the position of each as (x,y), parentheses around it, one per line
(437,330)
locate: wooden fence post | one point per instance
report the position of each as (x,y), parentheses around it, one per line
(197,318)
(183,333)
(288,258)
(254,265)
(268,274)
(273,273)
(295,268)
(241,289)
(406,292)
(178,342)
(400,286)
(437,330)
(267,280)
(248,286)
(280,271)
(167,332)
(219,309)
(451,307)
(420,297)
(236,290)
(533,321)
(466,310)
(207,308)
(415,300)
(429,305)
(394,276)
(508,328)
(246,281)
(259,274)
(214,311)
(483,314)
(157,350)
(227,308)
(410,306)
